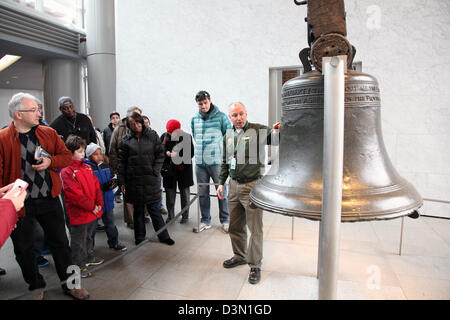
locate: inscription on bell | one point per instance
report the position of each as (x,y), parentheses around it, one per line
(362,88)
(317,100)
(362,98)
(302,91)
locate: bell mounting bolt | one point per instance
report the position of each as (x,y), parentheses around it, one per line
(327,31)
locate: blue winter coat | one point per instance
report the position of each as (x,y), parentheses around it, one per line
(103,174)
(208,135)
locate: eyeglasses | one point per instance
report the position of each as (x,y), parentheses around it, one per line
(34,110)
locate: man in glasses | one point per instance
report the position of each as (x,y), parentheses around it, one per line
(42,121)
(72,122)
(18,160)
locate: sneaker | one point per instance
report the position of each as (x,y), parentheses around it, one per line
(184,220)
(95,262)
(42,262)
(85,273)
(203,227)
(164,211)
(225,227)
(119,247)
(77,294)
(100,228)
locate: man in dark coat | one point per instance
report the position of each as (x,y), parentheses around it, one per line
(72,122)
(140,160)
(114,119)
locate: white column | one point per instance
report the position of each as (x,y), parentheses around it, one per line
(101,60)
(62,77)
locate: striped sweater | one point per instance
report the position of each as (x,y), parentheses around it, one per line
(208,135)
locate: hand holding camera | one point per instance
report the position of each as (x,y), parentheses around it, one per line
(16,192)
(42,158)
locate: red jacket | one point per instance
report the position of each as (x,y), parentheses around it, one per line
(81,192)
(8,219)
(10,156)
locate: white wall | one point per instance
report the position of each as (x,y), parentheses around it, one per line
(5,97)
(167,50)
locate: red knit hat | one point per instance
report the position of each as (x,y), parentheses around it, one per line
(173,125)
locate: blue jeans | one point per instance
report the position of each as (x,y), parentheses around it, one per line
(204,174)
(110,229)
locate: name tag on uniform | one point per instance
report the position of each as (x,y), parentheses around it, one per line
(233,164)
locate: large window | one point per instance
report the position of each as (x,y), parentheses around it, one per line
(69,12)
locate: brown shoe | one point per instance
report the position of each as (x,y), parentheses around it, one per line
(36,296)
(78,294)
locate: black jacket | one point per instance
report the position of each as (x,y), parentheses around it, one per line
(139,165)
(82,128)
(181,173)
(107,133)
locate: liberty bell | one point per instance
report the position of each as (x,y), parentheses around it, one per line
(372,189)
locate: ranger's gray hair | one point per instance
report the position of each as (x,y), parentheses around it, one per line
(15,103)
(131,110)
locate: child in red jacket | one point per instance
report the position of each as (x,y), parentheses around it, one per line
(84,202)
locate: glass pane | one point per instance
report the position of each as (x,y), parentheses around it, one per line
(69,12)
(63,10)
(28,3)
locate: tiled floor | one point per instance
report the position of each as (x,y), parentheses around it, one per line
(370,266)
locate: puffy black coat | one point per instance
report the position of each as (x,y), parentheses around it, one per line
(139,165)
(177,173)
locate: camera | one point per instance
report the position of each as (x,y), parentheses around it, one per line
(40,152)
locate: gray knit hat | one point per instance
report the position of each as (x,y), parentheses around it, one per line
(63,100)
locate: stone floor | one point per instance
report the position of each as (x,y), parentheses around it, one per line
(370,264)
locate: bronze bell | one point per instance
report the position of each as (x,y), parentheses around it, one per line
(372,189)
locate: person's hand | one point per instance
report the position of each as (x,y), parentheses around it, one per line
(5,189)
(46,162)
(122,188)
(277,126)
(97,209)
(219,192)
(17,201)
